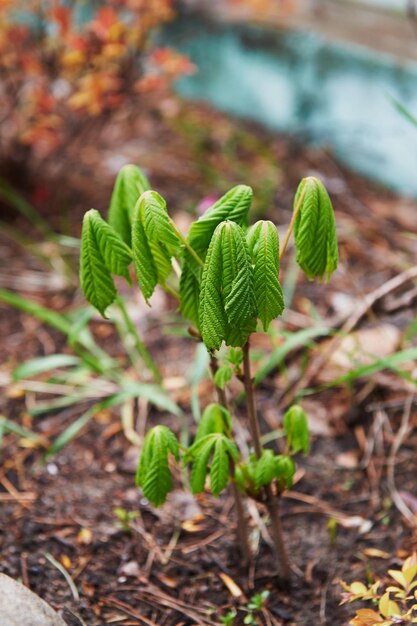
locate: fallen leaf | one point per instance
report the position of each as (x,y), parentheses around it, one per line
(233,587)
(376,554)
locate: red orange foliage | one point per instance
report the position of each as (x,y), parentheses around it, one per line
(55,72)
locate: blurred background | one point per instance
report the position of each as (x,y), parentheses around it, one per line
(88,85)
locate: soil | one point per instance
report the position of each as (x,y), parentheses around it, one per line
(179,565)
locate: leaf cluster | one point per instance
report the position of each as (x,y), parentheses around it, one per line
(229,273)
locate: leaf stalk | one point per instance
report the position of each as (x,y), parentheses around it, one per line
(292,223)
(186,244)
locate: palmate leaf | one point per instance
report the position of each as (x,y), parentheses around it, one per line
(272,466)
(227,301)
(130,184)
(220,449)
(315,230)
(233,206)
(153,242)
(263,243)
(103,253)
(153,473)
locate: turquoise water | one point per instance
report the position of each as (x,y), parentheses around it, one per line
(321,92)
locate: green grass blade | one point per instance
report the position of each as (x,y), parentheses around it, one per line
(292,341)
(37,366)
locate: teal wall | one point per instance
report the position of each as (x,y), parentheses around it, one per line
(320,92)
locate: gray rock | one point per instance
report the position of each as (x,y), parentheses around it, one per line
(21,607)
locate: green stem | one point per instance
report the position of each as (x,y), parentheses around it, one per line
(242,527)
(186,244)
(172,292)
(250,399)
(292,223)
(139,345)
(272,502)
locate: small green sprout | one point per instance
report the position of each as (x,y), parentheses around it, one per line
(125,518)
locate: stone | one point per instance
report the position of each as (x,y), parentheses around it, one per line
(20,607)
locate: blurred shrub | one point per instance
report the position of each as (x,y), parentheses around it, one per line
(64,62)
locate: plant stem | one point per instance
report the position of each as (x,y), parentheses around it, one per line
(291,226)
(250,399)
(271,500)
(186,244)
(242,527)
(278,536)
(139,345)
(172,292)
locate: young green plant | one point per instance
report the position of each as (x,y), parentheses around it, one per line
(228,284)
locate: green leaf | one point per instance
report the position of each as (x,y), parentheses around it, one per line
(315,230)
(223,376)
(102,253)
(213,320)
(156,221)
(130,184)
(263,243)
(219,472)
(190,288)
(215,419)
(153,242)
(146,272)
(284,469)
(200,466)
(296,429)
(37,366)
(237,276)
(233,206)
(265,469)
(153,473)
(227,300)
(221,448)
